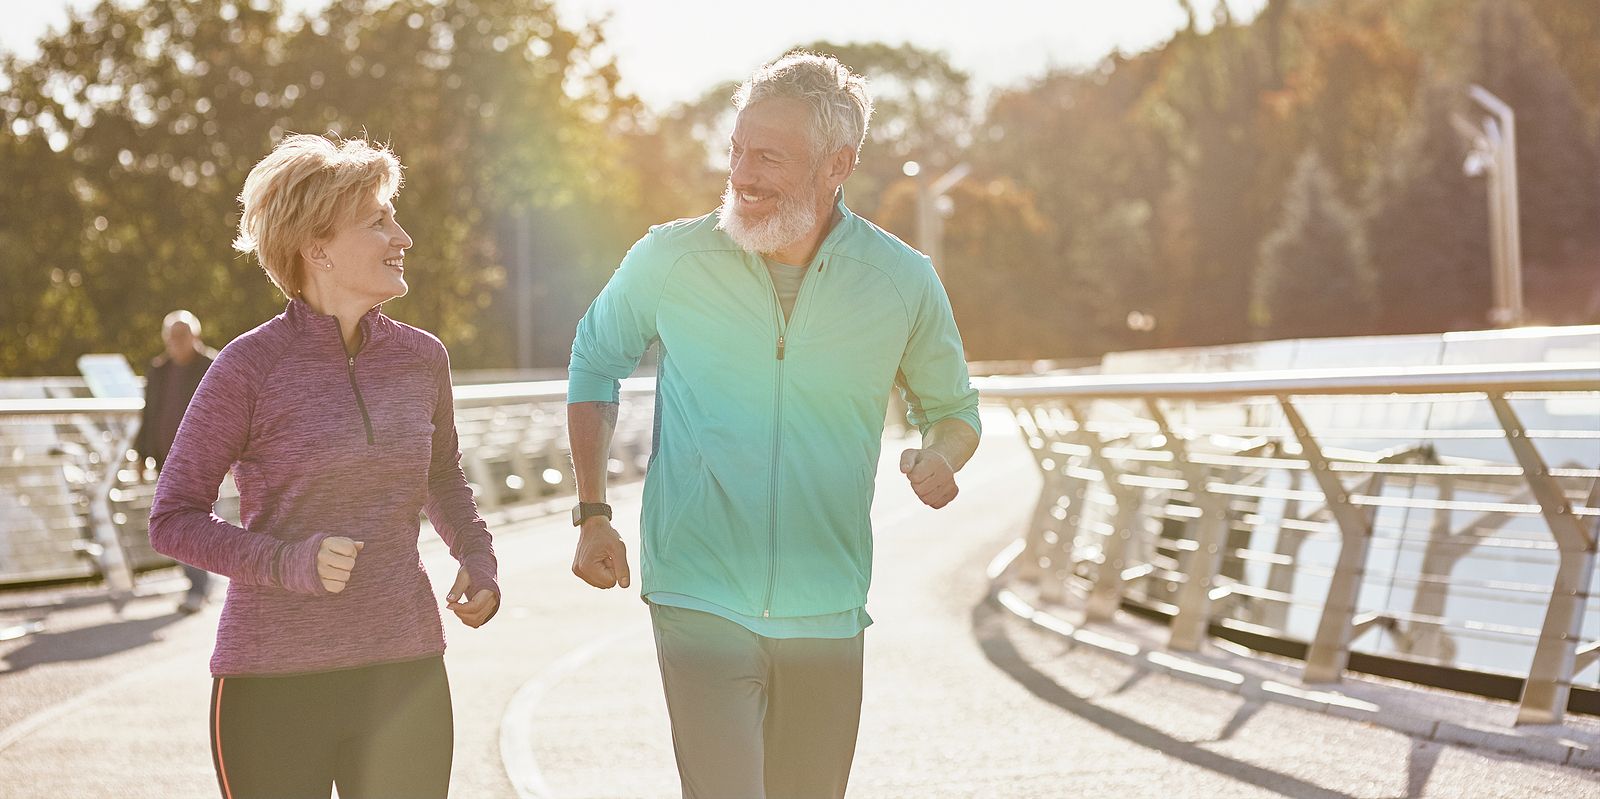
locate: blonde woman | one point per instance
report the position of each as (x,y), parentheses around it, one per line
(337,424)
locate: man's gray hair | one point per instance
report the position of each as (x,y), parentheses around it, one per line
(180,317)
(838,98)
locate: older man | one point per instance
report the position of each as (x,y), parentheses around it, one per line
(783,321)
(169,385)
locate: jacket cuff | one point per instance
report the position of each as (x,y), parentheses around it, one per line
(482,573)
(587,386)
(297,567)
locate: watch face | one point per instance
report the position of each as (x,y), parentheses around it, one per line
(577,515)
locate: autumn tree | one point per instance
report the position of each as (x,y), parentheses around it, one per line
(153,114)
(1314,277)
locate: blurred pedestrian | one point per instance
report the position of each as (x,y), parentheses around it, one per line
(784,320)
(169,384)
(338,425)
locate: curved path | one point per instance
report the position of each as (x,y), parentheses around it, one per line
(559,696)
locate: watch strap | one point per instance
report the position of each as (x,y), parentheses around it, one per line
(586,510)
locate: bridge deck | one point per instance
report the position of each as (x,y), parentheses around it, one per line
(559,696)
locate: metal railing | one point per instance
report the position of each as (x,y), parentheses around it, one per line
(1433,523)
(74,503)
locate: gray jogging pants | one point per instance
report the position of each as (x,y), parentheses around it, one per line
(756,717)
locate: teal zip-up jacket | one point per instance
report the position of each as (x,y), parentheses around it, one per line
(768,431)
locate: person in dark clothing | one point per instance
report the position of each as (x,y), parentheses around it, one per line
(169,385)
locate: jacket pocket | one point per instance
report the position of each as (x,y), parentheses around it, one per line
(682,488)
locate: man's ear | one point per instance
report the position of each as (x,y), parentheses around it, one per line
(841,165)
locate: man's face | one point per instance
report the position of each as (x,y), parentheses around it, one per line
(180,342)
(774,195)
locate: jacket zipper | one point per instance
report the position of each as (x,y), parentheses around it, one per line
(772,493)
(350,367)
(777,428)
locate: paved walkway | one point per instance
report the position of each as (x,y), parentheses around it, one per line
(559,697)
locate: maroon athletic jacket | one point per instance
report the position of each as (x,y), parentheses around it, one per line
(321,444)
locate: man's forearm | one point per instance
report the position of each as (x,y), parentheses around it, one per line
(590,426)
(954,439)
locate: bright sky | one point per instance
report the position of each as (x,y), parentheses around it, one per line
(674,50)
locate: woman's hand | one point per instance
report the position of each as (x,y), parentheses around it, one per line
(336,558)
(475,612)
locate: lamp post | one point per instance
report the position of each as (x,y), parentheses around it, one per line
(1494,153)
(933,202)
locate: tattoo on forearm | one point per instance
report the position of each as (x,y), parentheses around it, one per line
(608,413)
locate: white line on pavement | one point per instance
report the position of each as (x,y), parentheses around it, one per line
(516,724)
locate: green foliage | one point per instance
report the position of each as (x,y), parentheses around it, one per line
(1558,169)
(1295,174)
(1314,278)
(1076,145)
(1428,226)
(1008,301)
(152,115)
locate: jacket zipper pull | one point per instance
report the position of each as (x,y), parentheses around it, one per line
(780,348)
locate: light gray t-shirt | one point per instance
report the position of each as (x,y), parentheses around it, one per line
(786,279)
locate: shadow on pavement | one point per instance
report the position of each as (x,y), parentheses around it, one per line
(85,643)
(989,630)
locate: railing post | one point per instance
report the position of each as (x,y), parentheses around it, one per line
(1190,625)
(479,474)
(112,558)
(1105,596)
(1029,566)
(1330,649)
(1544,696)
(1280,574)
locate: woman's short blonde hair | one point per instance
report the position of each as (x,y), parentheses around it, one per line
(302,192)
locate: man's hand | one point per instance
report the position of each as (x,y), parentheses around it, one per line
(479,610)
(930,476)
(336,558)
(602,558)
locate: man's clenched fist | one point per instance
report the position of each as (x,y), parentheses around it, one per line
(930,476)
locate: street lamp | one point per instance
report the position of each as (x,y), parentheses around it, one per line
(1494,153)
(933,203)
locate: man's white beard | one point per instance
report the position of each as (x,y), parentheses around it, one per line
(794,217)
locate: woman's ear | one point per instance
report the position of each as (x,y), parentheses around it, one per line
(314,254)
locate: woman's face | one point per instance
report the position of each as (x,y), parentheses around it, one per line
(368,256)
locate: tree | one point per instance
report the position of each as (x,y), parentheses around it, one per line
(1346,92)
(1314,280)
(1208,104)
(155,113)
(1427,226)
(1009,300)
(1573,28)
(1078,145)
(1557,167)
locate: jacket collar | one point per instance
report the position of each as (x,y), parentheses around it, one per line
(319,329)
(841,229)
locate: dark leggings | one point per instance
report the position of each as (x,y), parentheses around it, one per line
(376,731)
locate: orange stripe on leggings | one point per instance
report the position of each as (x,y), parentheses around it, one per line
(216,721)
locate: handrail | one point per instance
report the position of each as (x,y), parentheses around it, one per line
(485,393)
(1581,376)
(1142,504)
(75,459)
